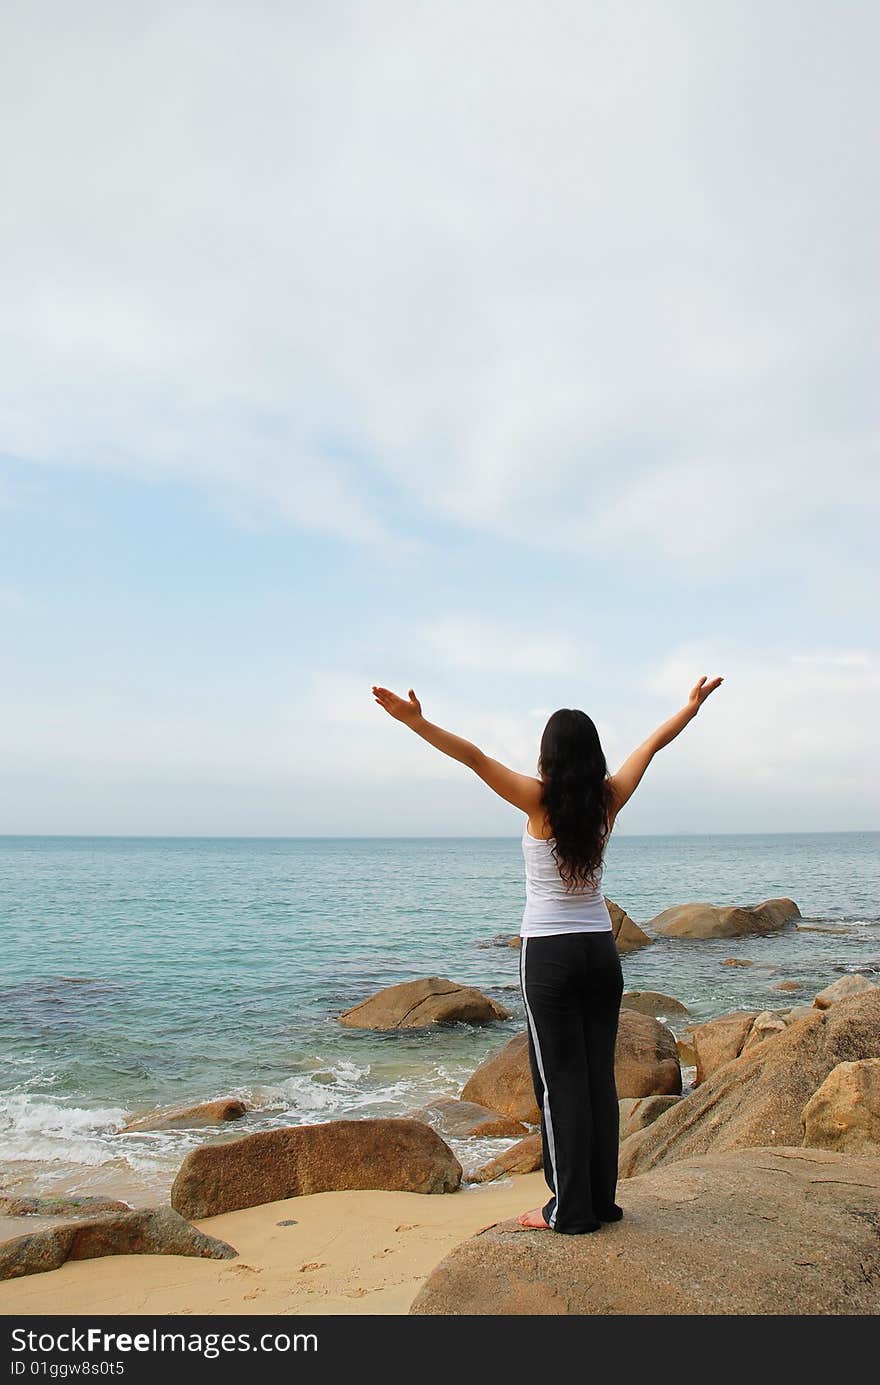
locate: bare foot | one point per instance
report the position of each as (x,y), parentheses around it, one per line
(534,1220)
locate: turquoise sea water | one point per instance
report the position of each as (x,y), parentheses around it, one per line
(142,971)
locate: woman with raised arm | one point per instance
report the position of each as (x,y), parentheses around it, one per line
(570,972)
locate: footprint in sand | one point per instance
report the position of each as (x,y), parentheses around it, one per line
(254,1293)
(313,1265)
(380,1254)
(407,1226)
(245,1269)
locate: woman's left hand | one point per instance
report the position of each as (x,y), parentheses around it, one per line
(400,708)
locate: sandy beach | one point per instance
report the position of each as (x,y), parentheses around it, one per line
(349,1252)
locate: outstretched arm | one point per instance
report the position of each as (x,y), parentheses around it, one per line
(627,779)
(518,789)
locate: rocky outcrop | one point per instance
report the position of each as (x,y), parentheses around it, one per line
(62,1206)
(638,1112)
(646,1063)
(737,962)
(844,1113)
(523,1157)
(842,988)
(788,986)
(150,1231)
(652,1003)
(762,1231)
(718,1041)
(185,1117)
(757,1099)
(724,921)
(458,1120)
(627,934)
(417,1004)
(404,1155)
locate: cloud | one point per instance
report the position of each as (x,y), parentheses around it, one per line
(541,274)
(476,644)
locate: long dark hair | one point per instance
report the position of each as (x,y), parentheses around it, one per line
(575,796)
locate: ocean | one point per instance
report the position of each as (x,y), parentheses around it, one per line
(139,972)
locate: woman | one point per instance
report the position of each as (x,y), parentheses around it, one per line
(569,968)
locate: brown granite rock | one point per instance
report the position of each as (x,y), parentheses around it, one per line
(416,1004)
(757,1099)
(638,1112)
(765,1026)
(627,934)
(523,1157)
(459,1119)
(758,1232)
(646,1058)
(652,1003)
(788,986)
(724,921)
(737,962)
(183,1117)
(61,1206)
(718,1041)
(844,1113)
(646,1063)
(843,987)
(503,1082)
(404,1155)
(149,1231)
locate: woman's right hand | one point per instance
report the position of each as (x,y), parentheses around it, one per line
(700,691)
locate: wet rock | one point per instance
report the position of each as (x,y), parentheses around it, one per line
(523,1157)
(724,921)
(652,1003)
(185,1117)
(61,1206)
(417,1004)
(457,1120)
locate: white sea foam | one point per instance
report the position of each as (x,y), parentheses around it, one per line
(33,1127)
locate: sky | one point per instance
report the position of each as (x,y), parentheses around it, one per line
(524,354)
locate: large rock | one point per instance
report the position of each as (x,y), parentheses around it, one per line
(724,921)
(503,1082)
(457,1120)
(760,1232)
(638,1112)
(627,934)
(149,1231)
(718,1041)
(523,1157)
(757,1099)
(646,1058)
(646,1063)
(416,1004)
(404,1155)
(61,1206)
(176,1117)
(842,988)
(844,1113)
(652,1003)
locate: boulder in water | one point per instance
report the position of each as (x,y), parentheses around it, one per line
(724,921)
(417,1004)
(853,984)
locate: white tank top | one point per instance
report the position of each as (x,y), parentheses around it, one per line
(550,908)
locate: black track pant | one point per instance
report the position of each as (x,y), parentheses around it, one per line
(572,984)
